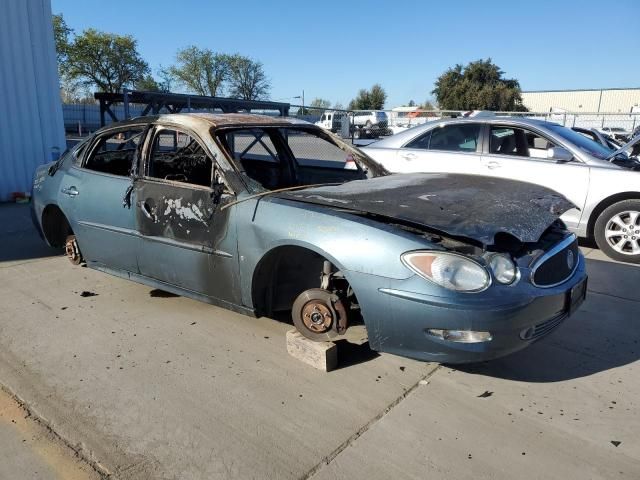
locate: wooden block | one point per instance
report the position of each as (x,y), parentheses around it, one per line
(320,355)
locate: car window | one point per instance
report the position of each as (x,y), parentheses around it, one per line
(518,142)
(178,156)
(587,134)
(114,152)
(309,150)
(421,142)
(455,138)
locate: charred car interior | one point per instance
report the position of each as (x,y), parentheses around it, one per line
(264,215)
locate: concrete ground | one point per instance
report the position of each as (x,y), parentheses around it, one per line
(142,384)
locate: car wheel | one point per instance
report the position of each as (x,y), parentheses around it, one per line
(316,313)
(617,231)
(356,134)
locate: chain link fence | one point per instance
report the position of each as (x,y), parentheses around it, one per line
(361,126)
(364,126)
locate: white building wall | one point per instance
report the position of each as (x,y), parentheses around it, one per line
(606,100)
(30,109)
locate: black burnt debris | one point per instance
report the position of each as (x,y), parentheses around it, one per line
(468,206)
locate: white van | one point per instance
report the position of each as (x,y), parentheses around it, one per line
(331,120)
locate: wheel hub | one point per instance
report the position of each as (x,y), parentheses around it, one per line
(623,232)
(317,317)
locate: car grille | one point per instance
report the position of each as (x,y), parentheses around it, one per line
(546,327)
(557,265)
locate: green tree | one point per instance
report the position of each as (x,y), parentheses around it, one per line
(201,71)
(318,105)
(61,34)
(427,105)
(148,84)
(377,97)
(369,99)
(107,61)
(247,79)
(477,86)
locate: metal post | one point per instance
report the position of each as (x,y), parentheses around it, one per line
(303,102)
(125,92)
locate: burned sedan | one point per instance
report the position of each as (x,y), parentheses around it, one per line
(264,215)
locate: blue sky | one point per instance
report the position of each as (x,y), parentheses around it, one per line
(333,48)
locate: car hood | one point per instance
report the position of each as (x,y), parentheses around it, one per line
(468,206)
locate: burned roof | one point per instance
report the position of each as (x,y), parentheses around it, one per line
(235,119)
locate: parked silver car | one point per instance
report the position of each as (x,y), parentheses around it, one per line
(607,195)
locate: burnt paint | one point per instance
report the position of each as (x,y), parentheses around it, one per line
(188,240)
(459,205)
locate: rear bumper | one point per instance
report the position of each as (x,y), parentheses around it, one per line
(399,321)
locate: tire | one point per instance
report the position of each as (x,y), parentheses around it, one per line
(617,231)
(356,134)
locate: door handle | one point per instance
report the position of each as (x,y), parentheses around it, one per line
(408,156)
(493,165)
(147,211)
(70,191)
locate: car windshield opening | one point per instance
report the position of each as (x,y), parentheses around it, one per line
(273,158)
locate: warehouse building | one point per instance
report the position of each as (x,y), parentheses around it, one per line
(605,100)
(31,127)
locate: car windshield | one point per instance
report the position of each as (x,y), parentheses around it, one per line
(583,143)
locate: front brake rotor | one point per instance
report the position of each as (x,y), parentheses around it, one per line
(314,314)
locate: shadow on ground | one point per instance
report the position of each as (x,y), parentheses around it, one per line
(19,239)
(602,335)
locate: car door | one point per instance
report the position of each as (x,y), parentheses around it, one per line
(446,148)
(521,154)
(186,237)
(96,186)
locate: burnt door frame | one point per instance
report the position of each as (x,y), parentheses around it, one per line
(184,232)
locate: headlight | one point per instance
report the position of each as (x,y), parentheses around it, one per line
(503,268)
(449,270)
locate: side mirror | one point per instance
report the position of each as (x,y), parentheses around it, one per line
(559,154)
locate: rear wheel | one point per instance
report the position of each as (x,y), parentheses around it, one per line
(617,231)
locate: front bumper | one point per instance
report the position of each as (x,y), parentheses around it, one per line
(398,319)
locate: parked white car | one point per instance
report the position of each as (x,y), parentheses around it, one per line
(370,118)
(606,195)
